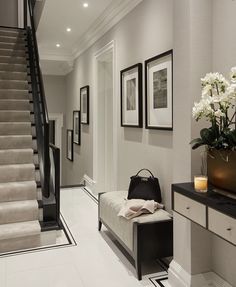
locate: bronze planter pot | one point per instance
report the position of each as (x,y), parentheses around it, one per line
(221,169)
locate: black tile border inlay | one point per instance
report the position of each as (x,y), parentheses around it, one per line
(90,194)
(159,281)
(66,229)
(156,279)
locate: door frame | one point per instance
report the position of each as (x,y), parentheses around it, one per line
(109,48)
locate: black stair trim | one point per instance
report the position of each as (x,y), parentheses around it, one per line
(49,226)
(36,166)
(13,28)
(40,203)
(38,183)
(35,151)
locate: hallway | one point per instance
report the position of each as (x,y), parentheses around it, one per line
(95,261)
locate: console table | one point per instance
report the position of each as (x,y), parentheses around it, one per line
(213,211)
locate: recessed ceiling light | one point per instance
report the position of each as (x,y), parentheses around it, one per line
(85,5)
(58,45)
(68,29)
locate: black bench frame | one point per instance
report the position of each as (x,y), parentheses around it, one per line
(152,240)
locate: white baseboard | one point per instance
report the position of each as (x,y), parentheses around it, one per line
(178,277)
(89,183)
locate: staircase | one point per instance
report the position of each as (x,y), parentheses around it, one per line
(20,192)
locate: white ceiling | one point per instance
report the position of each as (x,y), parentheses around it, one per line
(87,25)
(60,14)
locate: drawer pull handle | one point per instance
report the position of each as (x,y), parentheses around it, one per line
(188,208)
(229,229)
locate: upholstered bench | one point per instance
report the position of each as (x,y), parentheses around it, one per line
(147,237)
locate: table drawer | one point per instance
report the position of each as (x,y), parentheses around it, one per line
(193,210)
(222,225)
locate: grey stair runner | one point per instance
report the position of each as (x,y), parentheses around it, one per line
(19,209)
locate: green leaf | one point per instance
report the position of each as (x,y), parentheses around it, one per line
(208,136)
(196,143)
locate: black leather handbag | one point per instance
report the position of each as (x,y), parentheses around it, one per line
(146,188)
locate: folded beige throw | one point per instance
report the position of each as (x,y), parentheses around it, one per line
(135,207)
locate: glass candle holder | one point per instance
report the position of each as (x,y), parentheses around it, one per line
(200,183)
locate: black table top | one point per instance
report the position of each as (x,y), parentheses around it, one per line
(211,198)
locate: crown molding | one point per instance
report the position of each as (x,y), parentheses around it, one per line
(109,18)
(57,68)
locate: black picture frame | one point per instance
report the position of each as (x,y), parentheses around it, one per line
(76,128)
(69,145)
(84,105)
(133,73)
(163,62)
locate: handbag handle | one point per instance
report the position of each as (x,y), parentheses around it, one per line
(146,170)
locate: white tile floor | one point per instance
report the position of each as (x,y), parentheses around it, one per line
(94,262)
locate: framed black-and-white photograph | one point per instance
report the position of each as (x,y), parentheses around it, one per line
(84,105)
(69,145)
(159,92)
(76,127)
(131,96)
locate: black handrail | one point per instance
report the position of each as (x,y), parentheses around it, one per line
(55,177)
(39,102)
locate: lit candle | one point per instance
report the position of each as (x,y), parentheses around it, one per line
(200,183)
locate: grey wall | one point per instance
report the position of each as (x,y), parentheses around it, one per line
(204,41)
(9,13)
(147,31)
(38,9)
(224,57)
(55,91)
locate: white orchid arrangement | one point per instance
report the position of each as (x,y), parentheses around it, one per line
(217,106)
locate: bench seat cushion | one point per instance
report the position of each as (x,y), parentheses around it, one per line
(110,204)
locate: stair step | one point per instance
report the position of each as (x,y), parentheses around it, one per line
(14,116)
(21,236)
(14,84)
(5,31)
(13,67)
(16,105)
(13,60)
(16,156)
(15,30)
(17,142)
(17,172)
(12,75)
(8,33)
(15,46)
(15,128)
(15,191)
(19,211)
(22,229)
(13,39)
(12,94)
(12,52)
